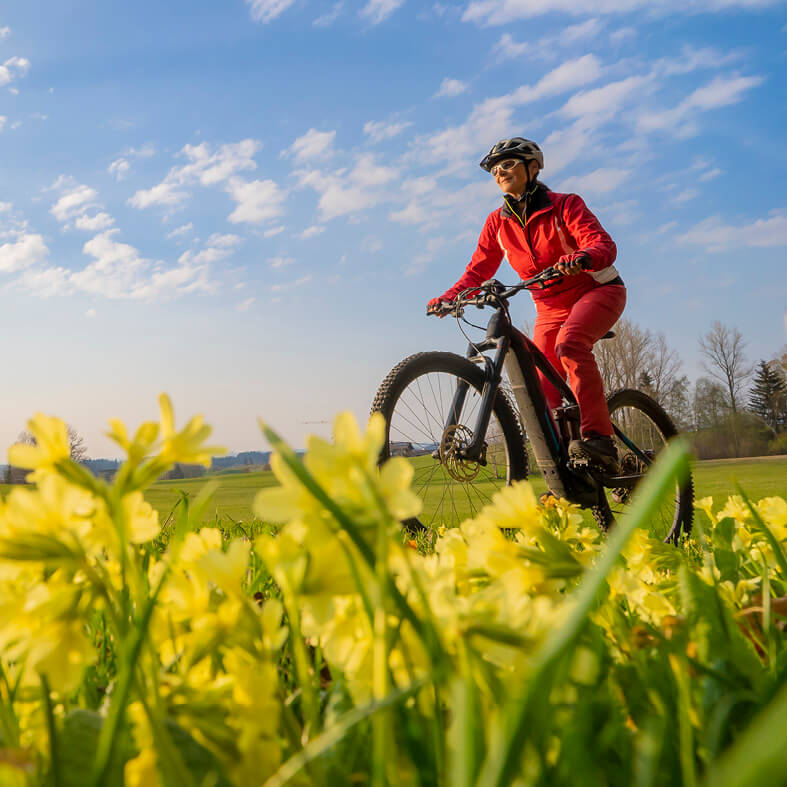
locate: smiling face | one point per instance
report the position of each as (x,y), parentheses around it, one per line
(513,180)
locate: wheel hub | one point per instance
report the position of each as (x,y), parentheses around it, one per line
(456,439)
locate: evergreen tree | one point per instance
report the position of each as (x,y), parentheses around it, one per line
(768,396)
(646,382)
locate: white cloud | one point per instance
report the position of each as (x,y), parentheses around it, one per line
(267,10)
(96,223)
(5,207)
(344,193)
(184,229)
(90,313)
(430,206)
(73,203)
(119,168)
(217,248)
(258,200)
(420,261)
(273,231)
(224,241)
(546,47)
(685,196)
(280,262)
(330,16)
(720,92)
(162,194)
(311,232)
(26,250)
(377,11)
(371,244)
(245,305)
(115,270)
(313,144)
(499,12)
(605,100)
(451,87)
(146,151)
(493,118)
(617,37)
(212,168)
(13,68)
(600,181)
(206,167)
(710,174)
(508,49)
(379,130)
(5,32)
(284,286)
(717,234)
(3,120)
(46,282)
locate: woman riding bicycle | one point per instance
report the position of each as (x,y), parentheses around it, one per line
(535,229)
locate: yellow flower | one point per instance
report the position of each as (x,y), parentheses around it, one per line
(142,522)
(186,445)
(706,504)
(142,443)
(51,445)
(773,511)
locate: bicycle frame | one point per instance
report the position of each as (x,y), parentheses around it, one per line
(522,360)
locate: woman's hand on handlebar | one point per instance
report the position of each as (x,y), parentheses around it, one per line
(439,307)
(569,264)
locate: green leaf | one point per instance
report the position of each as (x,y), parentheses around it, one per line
(77,744)
(727,562)
(716,630)
(202,764)
(759,755)
(724,530)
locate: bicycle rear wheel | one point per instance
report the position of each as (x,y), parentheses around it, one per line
(643,430)
(416,400)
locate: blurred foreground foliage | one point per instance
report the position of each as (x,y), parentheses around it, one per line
(520,648)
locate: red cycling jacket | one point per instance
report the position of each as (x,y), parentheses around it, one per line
(558,225)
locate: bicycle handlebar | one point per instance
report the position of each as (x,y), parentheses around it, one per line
(495,293)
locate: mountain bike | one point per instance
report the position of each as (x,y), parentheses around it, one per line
(466,430)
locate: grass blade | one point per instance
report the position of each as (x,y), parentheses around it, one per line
(506,747)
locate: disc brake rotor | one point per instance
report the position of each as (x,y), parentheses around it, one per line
(455,440)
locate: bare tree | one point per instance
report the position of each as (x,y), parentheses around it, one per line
(623,359)
(77,445)
(637,358)
(710,404)
(664,365)
(724,348)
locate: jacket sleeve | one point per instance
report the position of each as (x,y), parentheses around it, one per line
(588,233)
(485,260)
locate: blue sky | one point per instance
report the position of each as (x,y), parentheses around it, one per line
(248,203)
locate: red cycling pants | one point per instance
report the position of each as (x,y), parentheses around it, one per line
(566,332)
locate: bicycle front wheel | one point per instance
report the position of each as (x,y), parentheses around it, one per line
(426,422)
(642,430)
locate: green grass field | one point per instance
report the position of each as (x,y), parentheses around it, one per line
(758,477)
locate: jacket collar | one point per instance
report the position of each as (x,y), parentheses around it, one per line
(539,200)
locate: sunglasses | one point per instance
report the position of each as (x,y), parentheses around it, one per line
(504,166)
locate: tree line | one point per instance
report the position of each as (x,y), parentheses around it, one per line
(737,408)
